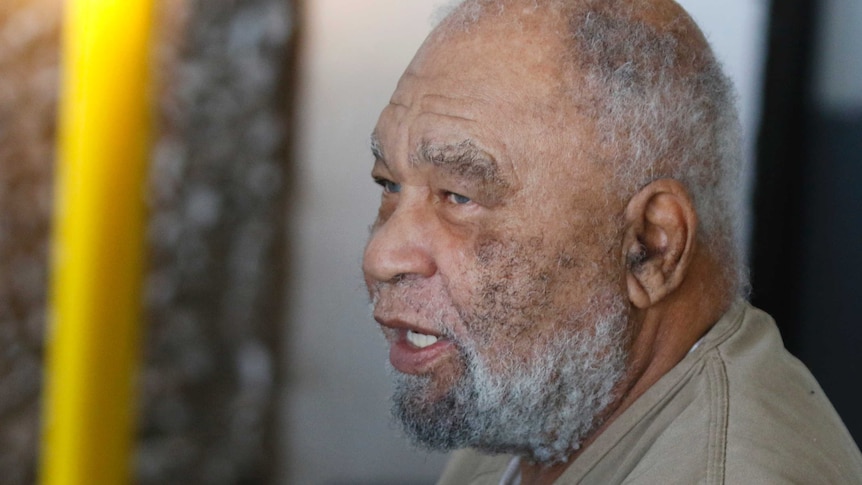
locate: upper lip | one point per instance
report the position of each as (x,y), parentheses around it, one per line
(397,323)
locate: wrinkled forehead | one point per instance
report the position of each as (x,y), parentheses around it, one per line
(510,54)
(497,83)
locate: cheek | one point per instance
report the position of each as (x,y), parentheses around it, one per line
(510,289)
(526,289)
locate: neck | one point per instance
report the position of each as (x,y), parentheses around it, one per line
(663,334)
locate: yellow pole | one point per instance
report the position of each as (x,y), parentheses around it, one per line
(98,245)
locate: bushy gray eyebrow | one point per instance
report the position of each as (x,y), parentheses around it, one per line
(463,159)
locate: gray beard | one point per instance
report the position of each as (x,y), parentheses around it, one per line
(542,408)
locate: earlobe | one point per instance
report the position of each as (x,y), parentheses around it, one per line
(658,242)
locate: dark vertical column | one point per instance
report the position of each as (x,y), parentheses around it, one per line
(829,335)
(806,263)
(783,149)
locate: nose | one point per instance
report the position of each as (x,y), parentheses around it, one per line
(401,246)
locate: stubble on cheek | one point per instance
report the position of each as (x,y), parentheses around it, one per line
(525,290)
(509,287)
(516,284)
(426,302)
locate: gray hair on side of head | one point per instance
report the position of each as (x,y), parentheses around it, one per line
(665,109)
(662,104)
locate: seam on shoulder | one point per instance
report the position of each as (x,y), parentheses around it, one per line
(719,405)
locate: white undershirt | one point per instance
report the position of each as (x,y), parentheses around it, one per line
(512,475)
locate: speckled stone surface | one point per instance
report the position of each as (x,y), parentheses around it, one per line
(216,236)
(29,34)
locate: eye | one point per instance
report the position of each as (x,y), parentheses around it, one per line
(457,198)
(389,187)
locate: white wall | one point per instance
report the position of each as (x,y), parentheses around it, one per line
(337,425)
(336,421)
(839,69)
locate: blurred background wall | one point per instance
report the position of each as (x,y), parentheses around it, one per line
(336,421)
(29,35)
(219,182)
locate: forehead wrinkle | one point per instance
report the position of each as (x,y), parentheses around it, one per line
(463,159)
(454,107)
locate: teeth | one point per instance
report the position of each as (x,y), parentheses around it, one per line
(420,340)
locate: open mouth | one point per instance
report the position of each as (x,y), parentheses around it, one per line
(417,353)
(421,340)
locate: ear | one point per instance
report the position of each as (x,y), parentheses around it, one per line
(659,240)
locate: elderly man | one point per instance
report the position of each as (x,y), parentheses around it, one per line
(555,261)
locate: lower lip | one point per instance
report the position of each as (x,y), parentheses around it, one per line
(409,359)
